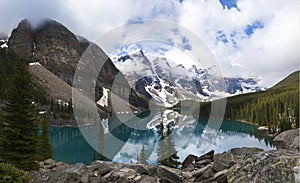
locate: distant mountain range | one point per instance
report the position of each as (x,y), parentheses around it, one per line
(167,83)
(56,51)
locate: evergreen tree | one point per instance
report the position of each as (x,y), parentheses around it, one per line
(94,155)
(172,160)
(143,156)
(161,149)
(1,125)
(166,152)
(19,142)
(45,147)
(101,142)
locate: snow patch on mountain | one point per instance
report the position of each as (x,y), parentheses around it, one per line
(34,63)
(3,43)
(167,82)
(104,99)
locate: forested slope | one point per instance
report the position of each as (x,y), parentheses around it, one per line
(277,107)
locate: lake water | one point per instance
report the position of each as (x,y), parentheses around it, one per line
(122,143)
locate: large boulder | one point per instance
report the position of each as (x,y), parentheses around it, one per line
(188,160)
(265,166)
(229,158)
(287,140)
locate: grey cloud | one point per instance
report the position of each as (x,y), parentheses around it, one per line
(12,11)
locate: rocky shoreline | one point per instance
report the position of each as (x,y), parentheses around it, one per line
(236,165)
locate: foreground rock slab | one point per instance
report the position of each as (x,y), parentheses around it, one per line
(102,171)
(267,166)
(287,140)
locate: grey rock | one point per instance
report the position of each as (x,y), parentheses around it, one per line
(206,175)
(220,177)
(191,167)
(287,140)
(209,155)
(148,179)
(97,180)
(235,165)
(137,178)
(267,166)
(219,166)
(187,175)
(203,162)
(78,168)
(229,158)
(243,151)
(60,168)
(201,171)
(59,164)
(97,170)
(85,178)
(143,169)
(188,160)
(54,177)
(167,175)
(49,162)
(297,172)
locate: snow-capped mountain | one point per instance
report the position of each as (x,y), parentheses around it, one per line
(167,83)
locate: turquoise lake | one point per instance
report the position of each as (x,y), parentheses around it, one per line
(122,142)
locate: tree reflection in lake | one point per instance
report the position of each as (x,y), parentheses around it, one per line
(119,142)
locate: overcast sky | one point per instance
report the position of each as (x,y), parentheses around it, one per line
(247,37)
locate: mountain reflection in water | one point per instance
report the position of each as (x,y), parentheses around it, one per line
(122,141)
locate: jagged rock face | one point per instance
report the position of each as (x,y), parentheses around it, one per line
(21,40)
(57,49)
(51,44)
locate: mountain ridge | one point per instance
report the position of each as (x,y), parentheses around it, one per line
(58,50)
(277,107)
(147,75)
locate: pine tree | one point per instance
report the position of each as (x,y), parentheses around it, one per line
(101,142)
(143,156)
(161,149)
(1,124)
(172,160)
(19,142)
(45,147)
(166,152)
(94,155)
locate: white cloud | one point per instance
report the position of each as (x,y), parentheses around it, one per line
(271,52)
(95,17)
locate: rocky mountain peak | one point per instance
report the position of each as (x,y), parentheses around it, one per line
(24,24)
(57,49)
(21,40)
(50,43)
(52,28)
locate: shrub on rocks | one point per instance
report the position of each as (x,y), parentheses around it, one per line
(10,174)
